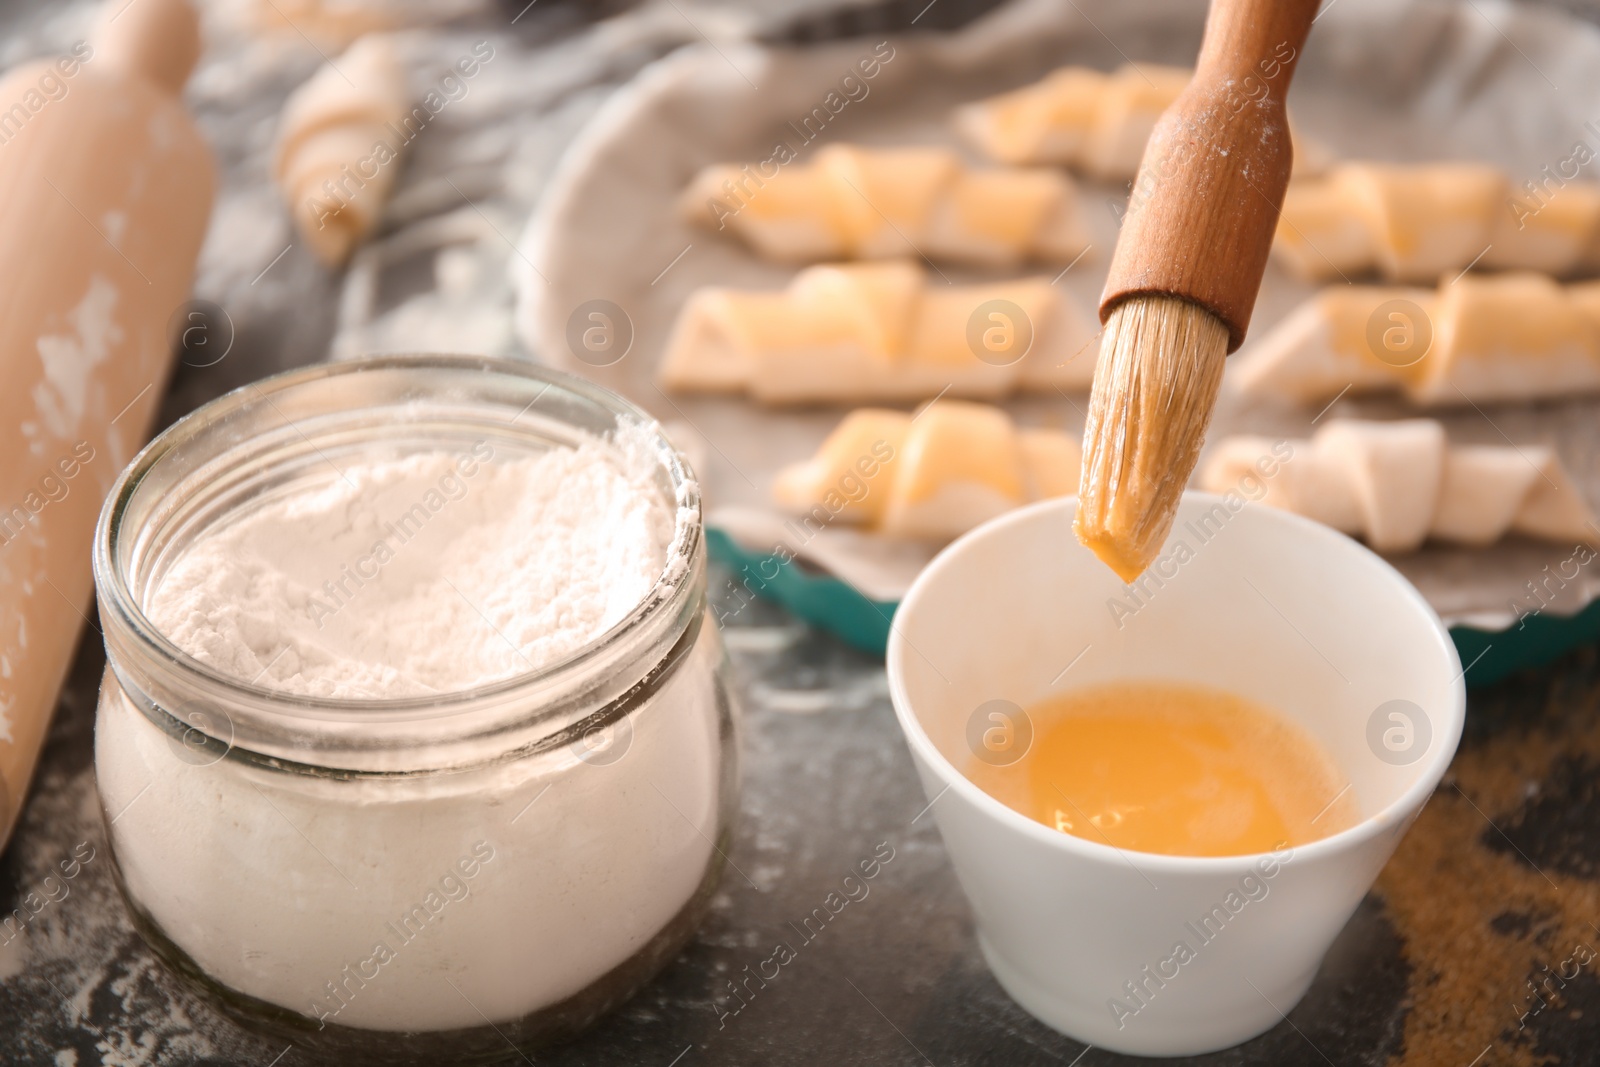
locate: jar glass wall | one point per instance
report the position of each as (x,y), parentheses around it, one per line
(420,879)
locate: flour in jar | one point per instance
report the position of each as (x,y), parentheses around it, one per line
(432,573)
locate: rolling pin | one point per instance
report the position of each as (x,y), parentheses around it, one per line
(105,191)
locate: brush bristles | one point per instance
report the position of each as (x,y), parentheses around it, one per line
(1161,363)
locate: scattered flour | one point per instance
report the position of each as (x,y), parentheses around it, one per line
(429,574)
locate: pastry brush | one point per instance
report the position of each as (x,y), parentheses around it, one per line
(1184,276)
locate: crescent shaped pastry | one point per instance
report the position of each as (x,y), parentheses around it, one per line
(932,475)
(1398,484)
(880,331)
(339,143)
(1477,339)
(1416,222)
(879,203)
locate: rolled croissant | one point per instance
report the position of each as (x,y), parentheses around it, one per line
(1416,222)
(880,331)
(881,203)
(933,475)
(1397,484)
(1090,121)
(1480,338)
(339,143)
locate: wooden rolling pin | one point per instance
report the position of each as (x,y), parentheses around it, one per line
(105,192)
(1185,274)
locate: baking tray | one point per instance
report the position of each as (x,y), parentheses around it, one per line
(1409,80)
(1489,655)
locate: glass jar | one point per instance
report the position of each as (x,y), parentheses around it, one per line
(415,880)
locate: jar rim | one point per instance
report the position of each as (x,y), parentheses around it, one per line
(116,590)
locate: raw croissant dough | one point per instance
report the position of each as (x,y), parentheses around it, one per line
(1480,338)
(1090,121)
(1396,484)
(880,203)
(1417,222)
(933,475)
(338,146)
(880,331)
(1076,116)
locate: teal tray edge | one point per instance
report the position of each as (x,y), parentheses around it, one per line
(836,606)
(819,599)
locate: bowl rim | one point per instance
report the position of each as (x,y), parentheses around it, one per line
(1395,813)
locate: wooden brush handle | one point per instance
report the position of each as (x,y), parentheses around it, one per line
(1205,203)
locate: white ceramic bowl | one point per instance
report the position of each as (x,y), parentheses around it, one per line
(1246,598)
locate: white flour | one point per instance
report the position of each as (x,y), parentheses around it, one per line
(430,574)
(429,901)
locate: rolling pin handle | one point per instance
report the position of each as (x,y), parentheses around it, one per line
(155,40)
